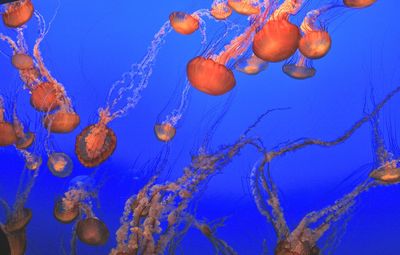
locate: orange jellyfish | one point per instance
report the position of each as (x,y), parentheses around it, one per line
(184,23)
(316,42)
(211,74)
(44,97)
(278,39)
(389,173)
(65,211)
(164,132)
(358,3)
(7,132)
(251,65)
(24,139)
(220,10)
(22,61)
(60,164)
(92,231)
(32,161)
(245,7)
(63,121)
(299,67)
(18,13)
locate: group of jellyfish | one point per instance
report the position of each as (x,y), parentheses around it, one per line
(155,219)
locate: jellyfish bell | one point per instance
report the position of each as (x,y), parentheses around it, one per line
(44,97)
(64,212)
(25,141)
(209,76)
(95,144)
(18,13)
(33,162)
(252,65)
(164,132)
(315,44)
(61,121)
(92,231)
(18,221)
(299,72)
(285,247)
(60,164)
(221,11)
(387,174)
(183,23)
(7,134)
(358,3)
(22,61)
(245,7)
(276,41)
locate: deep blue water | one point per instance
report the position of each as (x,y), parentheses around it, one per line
(91,43)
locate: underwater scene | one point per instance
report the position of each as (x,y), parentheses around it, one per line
(245,127)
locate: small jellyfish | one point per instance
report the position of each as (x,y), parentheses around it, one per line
(32,161)
(24,139)
(164,132)
(95,144)
(220,10)
(92,231)
(388,173)
(22,61)
(65,211)
(358,3)
(299,69)
(184,23)
(62,121)
(252,65)
(279,38)
(18,13)
(209,76)
(245,7)
(44,97)
(60,164)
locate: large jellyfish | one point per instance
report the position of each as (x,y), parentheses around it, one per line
(210,74)
(18,13)
(278,39)
(7,132)
(358,3)
(245,7)
(184,23)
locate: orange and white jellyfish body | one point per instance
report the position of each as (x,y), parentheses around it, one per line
(220,10)
(184,23)
(32,161)
(279,38)
(388,173)
(252,65)
(18,13)
(211,74)
(24,139)
(245,7)
(60,164)
(92,231)
(7,132)
(358,3)
(299,67)
(315,42)
(66,212)
(97,142)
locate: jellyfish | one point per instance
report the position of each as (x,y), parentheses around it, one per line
(24,139)
(299,67)
(60,164)
(278,39)
(245,7)
(32,161)
(92,231)
(358,3)
(316,41)
(220,10)
(210,74)
(7,131)
(22,61)
(18,13)
(184,23)
(165,132)
(251,65)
